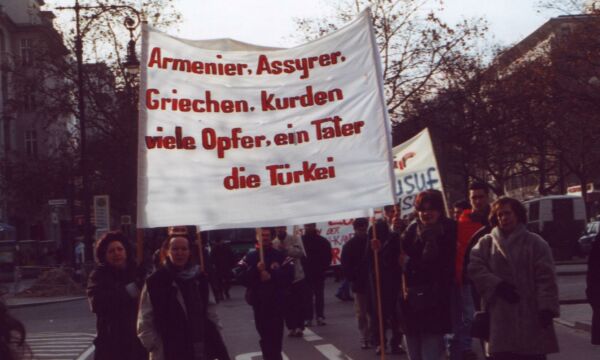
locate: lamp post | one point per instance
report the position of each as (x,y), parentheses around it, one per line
(130,23)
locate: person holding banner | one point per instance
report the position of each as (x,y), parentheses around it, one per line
(173,322)
(355,269)
(316,262)
(113,292)
(267,275)
(387,246)
(428,260)
(292,247)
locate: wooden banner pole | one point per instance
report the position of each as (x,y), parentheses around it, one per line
(139,245)
(200,250)
(378,293)
(259,239)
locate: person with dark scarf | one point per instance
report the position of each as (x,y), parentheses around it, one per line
(113,294)
(267,280)
(173,323)
(428,254)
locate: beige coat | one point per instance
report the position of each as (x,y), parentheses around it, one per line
(523,259)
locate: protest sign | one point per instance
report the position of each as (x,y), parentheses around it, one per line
(234,135)
(337,232)
(416,170)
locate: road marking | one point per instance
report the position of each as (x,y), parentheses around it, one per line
(59,346)
(250,356)
(310,336)
(331,352)
(86,353)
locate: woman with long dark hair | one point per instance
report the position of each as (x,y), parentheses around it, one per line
(173,323)
(113,292)
(428,252)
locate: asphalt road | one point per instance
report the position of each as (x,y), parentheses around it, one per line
(66,330)
(62,331)
(339,339)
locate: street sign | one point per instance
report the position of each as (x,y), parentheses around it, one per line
(102,212)
(57,202)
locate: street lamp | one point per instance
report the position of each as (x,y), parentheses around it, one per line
(132,64)
(130,23)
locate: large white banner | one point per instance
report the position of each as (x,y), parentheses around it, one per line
(416,170)
(234,135)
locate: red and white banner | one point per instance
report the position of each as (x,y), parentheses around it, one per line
(416,170)
(235,135)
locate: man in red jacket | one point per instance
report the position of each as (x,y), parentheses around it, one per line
(472,225)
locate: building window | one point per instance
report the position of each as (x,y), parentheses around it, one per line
(29,100)
(26,51)
(31,145)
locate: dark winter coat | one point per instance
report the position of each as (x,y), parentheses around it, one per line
(116,313)
(318,255)
(593,288)
(389,269)
(354,263)
(173,316)
(268,294)
(224,259)
(428,275)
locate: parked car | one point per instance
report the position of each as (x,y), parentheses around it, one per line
(588,237)
(560,220)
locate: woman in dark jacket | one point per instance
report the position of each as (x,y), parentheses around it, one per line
(113,293)
(173,323)
(593,289)
(428,257)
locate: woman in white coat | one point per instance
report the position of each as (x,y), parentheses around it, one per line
(514,272)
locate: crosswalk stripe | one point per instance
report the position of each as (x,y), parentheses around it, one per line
(86,353)
(59,346)
(331,352)
(310,335)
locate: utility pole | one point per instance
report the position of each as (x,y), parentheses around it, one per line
(130,24)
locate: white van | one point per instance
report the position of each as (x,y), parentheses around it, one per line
(560,220)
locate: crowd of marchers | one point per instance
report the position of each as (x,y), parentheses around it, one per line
(446,281)
(428,285)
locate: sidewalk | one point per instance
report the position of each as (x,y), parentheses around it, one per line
(18,302)
(13,301)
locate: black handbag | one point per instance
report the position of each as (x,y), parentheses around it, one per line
(480,327)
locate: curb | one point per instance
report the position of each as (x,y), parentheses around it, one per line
(571,273)
(44,302)
(573,301)
(577,325)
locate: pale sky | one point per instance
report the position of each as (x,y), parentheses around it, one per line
(271,22)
